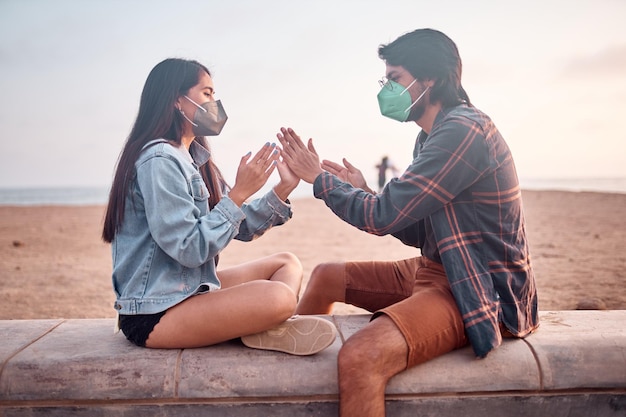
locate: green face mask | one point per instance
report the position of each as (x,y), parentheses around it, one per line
(394,100)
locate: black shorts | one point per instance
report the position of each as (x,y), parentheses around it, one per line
(138,327)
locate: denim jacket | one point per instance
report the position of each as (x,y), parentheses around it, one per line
(165,249)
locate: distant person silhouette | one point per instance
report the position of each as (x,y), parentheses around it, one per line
(384,165)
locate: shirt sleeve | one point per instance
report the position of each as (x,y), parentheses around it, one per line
(454,156)
(413,235)
(174,219)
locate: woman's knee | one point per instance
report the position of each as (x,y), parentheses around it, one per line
(280,298)
(288,259)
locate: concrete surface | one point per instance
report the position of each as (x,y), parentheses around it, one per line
(574,365)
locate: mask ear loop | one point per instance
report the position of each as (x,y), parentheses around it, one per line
(196,104)
(187,118)
(409,86)
(418,99)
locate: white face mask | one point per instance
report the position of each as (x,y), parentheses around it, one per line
(209,118)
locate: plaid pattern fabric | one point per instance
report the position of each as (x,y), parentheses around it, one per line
(459,202)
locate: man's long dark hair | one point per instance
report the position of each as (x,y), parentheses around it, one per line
(157,118)
(429,54)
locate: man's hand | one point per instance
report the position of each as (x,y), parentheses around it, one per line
(347,173)
(303,161)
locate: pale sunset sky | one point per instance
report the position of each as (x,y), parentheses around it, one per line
(551,74)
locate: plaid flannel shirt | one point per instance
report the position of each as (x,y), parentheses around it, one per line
(459,202)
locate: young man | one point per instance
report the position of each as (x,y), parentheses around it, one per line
(459,202)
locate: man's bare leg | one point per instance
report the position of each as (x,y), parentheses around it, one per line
(366,362)
(326,286)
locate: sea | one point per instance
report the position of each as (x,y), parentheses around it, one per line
(81,196)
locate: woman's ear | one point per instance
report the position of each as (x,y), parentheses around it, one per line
(179,103)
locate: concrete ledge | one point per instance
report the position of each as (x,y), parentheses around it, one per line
(574,365)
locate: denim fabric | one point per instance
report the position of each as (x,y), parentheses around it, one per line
(164,251)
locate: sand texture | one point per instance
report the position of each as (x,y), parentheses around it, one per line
(54,265)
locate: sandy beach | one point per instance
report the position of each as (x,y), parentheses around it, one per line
(54,265)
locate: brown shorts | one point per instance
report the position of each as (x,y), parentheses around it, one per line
(415,294)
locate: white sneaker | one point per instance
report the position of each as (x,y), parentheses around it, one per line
(299,335)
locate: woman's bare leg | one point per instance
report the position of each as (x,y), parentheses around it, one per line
(215,317)
(282,267)
(255,296)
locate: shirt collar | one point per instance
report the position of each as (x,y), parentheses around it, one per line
(422,136)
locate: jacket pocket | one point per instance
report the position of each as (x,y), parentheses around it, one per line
(199,192)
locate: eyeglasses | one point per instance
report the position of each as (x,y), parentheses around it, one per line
(387,84)
(384,82)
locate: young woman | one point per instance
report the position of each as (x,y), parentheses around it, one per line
(170,214)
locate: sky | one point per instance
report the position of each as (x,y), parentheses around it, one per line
(551,74)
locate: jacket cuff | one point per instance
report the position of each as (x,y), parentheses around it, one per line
(230,210)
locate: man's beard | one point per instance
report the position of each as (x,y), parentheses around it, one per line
(417,111)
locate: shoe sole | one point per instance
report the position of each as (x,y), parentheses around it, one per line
(303,335)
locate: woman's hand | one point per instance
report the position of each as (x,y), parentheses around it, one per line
(253,173)
(347,173)
(303,161)
(288,180)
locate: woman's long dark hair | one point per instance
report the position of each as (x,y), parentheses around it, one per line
(429,54)
(158,118)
